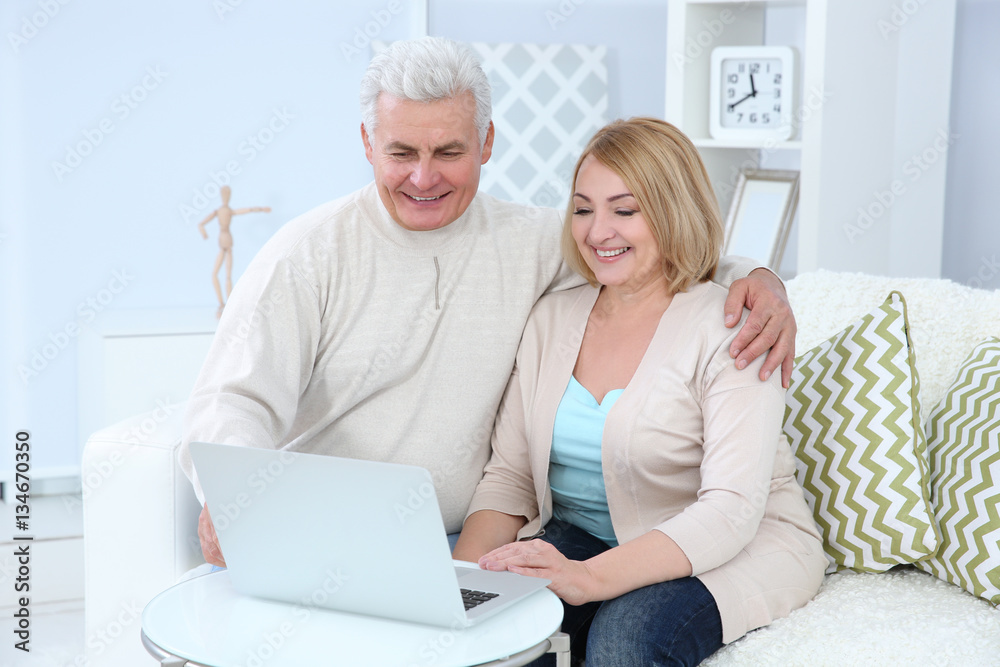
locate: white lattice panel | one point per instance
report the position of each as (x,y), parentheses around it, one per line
(548,100)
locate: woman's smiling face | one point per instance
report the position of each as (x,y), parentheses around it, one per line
(610,231)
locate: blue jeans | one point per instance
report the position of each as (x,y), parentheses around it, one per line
(671,623)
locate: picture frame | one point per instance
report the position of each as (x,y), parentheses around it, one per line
(761,213)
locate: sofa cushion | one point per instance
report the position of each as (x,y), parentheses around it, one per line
(853,417)
(964,448)
(946,319)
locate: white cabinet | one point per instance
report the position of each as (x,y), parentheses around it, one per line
(53,574)
(872,122)
(140,361)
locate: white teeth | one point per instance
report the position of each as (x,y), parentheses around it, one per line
(611,253)
(425,198)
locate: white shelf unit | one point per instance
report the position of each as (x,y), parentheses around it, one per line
(872,135)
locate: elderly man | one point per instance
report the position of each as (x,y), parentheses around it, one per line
(383,325)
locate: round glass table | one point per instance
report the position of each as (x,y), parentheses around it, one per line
(204,622)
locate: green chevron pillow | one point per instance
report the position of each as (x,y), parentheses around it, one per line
(853,418)
(963,436)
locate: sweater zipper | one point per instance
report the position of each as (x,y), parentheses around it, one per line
(437,281)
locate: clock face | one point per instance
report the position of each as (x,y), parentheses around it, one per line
(751,93)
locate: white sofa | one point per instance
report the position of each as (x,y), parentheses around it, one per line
(140,521)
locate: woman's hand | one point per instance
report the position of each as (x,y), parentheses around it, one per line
(648,559)
(572,580)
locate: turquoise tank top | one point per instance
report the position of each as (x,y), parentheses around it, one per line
(575,472)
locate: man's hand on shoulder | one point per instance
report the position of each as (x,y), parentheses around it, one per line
(771,325)
(210,548)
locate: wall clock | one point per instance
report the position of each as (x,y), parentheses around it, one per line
(752,92)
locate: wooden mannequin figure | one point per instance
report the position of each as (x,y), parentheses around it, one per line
(225,216)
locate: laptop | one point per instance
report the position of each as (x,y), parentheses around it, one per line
(344,534)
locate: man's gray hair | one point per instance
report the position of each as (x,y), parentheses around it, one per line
(425,70)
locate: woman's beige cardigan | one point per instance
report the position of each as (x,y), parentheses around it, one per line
(692,448)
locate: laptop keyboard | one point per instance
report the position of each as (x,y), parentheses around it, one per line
(475,598)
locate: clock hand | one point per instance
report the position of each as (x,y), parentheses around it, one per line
(744,99)
(753,89)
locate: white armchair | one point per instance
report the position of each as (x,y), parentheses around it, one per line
(140,529)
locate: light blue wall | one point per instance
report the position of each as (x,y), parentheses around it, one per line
(222,69)
(971,253)
(199,77)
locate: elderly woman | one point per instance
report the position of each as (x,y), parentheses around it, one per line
(633,465)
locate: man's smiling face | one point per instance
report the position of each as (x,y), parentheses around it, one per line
(427,159)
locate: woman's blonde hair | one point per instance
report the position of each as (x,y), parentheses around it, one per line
(663,171)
